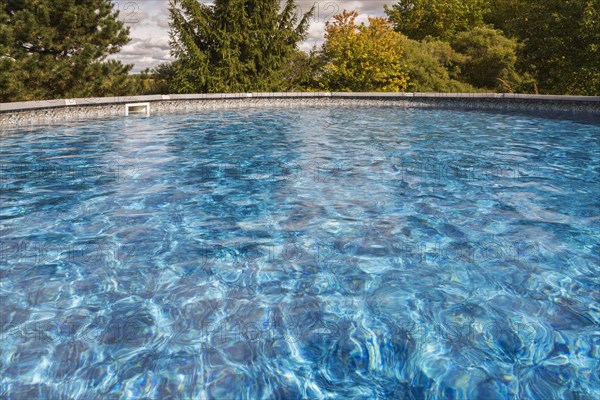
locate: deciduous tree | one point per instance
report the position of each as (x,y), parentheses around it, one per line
(561,41)
(438,19)
(490,59)
(433,66)
(362,58)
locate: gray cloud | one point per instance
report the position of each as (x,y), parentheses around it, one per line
(145,53)
(161,21)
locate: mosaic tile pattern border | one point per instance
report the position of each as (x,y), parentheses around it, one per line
(14,115)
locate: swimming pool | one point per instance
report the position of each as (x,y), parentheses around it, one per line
(365,252)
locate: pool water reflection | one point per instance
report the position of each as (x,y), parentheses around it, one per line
(302,253)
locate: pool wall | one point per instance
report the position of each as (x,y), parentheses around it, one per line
(51,111)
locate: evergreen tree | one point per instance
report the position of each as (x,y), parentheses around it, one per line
(57,48)
(233,45)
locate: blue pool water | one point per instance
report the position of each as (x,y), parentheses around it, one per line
(353,253)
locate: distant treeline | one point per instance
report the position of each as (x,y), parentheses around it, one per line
(58,49)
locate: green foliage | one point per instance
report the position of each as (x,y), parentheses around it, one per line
(57,48)
(163,76)
(561,41)
(362,58)
(450,59)
(233,45)
(440,19)
(490,59)
(552,46)
(153,81)
(432,66)
(302,71)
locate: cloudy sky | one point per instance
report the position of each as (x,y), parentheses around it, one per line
(149,24)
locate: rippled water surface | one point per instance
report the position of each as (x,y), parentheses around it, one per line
(351,253)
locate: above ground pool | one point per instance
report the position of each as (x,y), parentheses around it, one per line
(308,253)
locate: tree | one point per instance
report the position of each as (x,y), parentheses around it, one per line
(436,19)
(561,41)
(303,70)
(490,59)
(164,75)
(362,58)
(433,66)
(58,48)
(233,45)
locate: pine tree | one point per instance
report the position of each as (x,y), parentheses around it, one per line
(233,45)
(58,48)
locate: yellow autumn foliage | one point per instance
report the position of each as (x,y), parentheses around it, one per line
(363,58)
